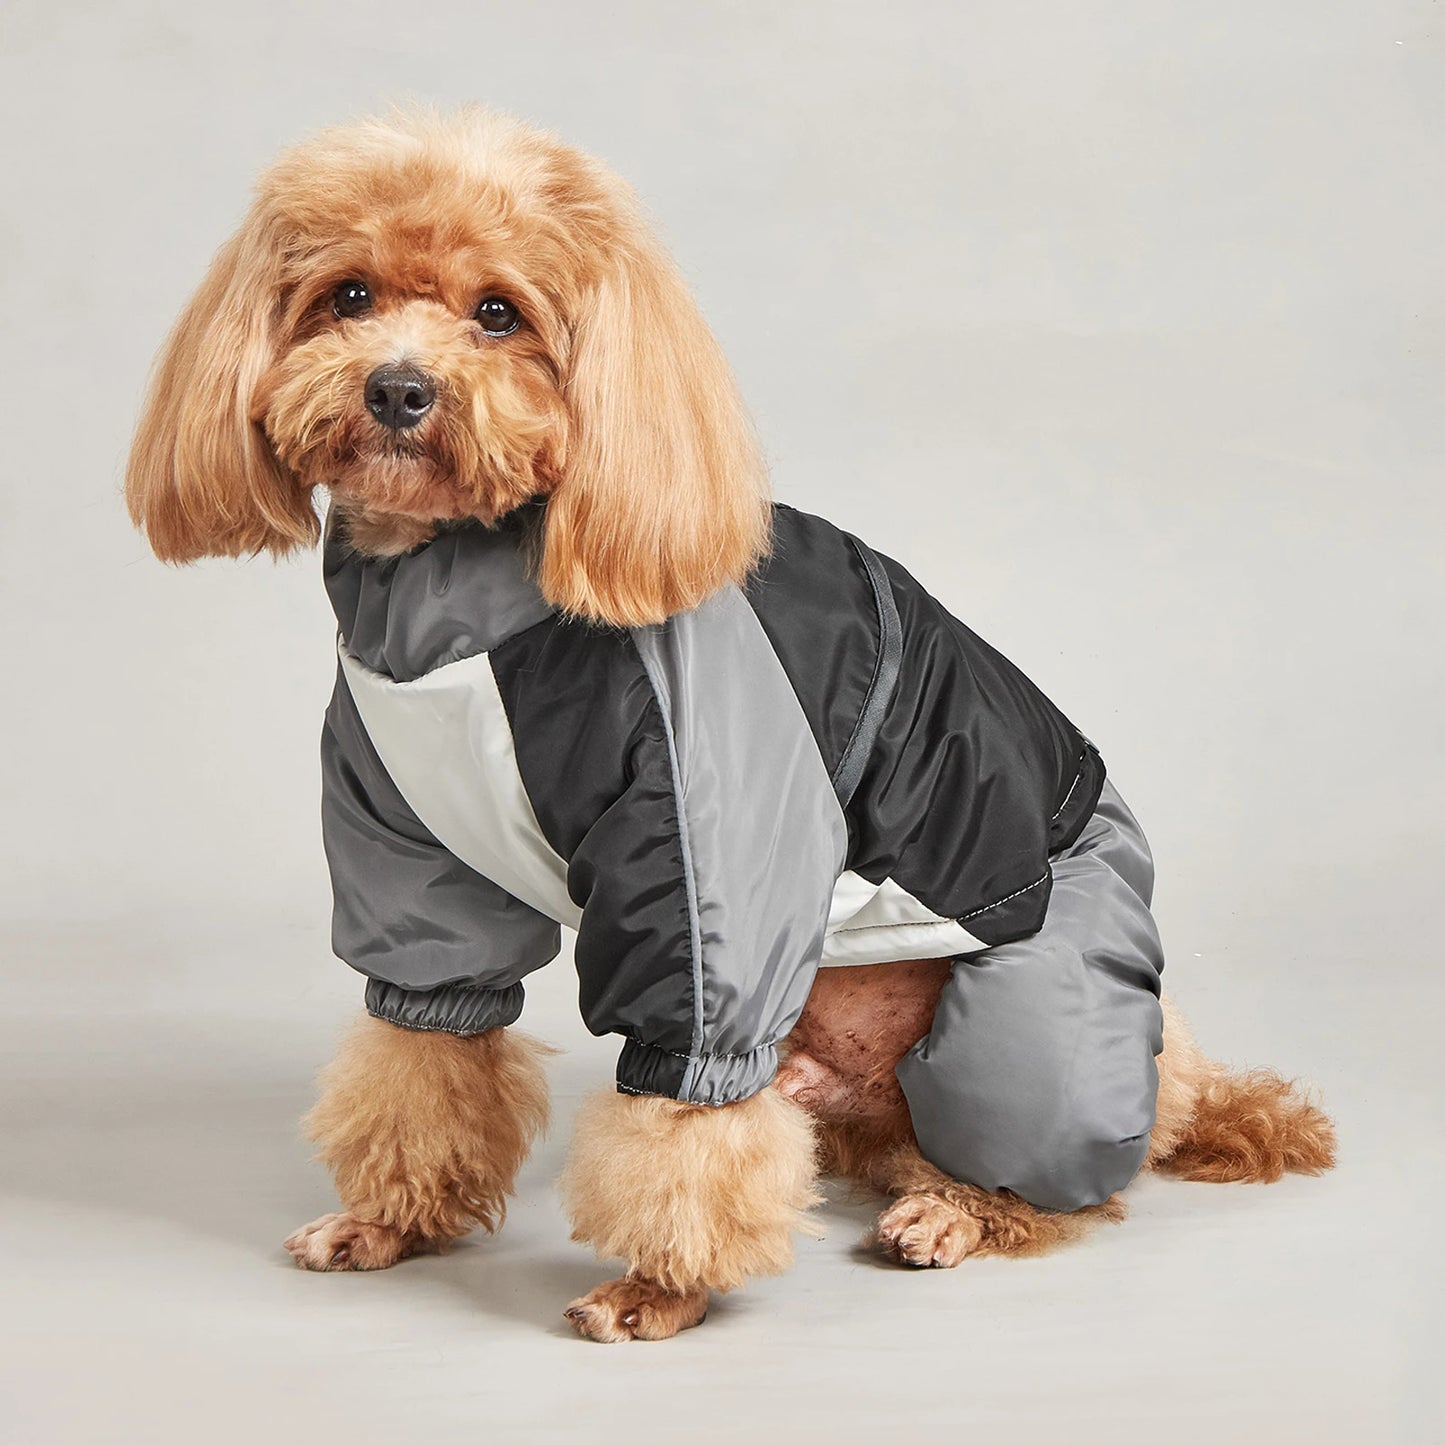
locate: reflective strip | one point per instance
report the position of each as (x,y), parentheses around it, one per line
(446,741)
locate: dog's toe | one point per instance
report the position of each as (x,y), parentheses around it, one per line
(635,1309)
(927,1231)
(343,1242)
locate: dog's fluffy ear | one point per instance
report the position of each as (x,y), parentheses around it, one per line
(202,480)
(663,497)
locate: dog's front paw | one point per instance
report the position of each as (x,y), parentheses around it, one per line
(927,1231)
(635,1309)
(342,1241)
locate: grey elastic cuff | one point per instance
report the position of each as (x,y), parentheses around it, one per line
(703,1079)
(454,1008)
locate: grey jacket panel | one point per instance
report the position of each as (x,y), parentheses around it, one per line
(406,910)
(1039,1073)
(762,832)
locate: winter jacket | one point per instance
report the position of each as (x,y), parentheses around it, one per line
(823,766)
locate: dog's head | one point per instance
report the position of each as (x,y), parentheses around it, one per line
(440,317)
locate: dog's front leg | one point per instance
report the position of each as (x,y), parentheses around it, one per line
(424,1134)
(691,1197)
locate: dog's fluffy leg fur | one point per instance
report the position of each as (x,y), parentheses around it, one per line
(424,1134)
(691,1197)
(1224,1127)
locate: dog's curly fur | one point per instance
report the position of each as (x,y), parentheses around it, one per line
(610,415)
(1224,1127)
(713,1195)
(611,395)
(424,1134)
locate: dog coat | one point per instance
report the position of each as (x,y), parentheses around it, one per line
(823,766)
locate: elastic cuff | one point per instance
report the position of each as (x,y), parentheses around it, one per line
(454,1008)
(696,1079)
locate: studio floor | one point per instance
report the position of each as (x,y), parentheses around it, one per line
(152,1166)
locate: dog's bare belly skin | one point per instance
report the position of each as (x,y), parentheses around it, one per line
(857,1024)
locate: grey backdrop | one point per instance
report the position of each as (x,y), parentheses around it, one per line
(1118,323)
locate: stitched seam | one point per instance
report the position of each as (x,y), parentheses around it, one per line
(999,901)
(718,1053)
(912,923)
(941,922)
(1079,774)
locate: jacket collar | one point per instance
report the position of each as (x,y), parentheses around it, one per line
(465,592)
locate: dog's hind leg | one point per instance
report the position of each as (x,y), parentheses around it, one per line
(937,1222)
(1225,1127)
(840,1065)
(424,1133)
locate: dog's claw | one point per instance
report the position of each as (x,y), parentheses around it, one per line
(927,1232)
(344,1242)
(635,1309)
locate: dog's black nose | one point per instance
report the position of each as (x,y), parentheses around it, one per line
(399,396)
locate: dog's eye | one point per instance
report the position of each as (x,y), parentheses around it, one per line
(498,317)
(351,298)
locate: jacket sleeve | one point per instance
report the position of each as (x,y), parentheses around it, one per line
(705,887)
(443,947)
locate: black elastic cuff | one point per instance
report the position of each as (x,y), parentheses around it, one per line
(704,1079)
(454,1008)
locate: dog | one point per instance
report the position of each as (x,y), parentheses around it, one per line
(590,676)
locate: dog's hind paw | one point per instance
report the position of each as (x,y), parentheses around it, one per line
(342,1241)
(927,1231)
(635,1309)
